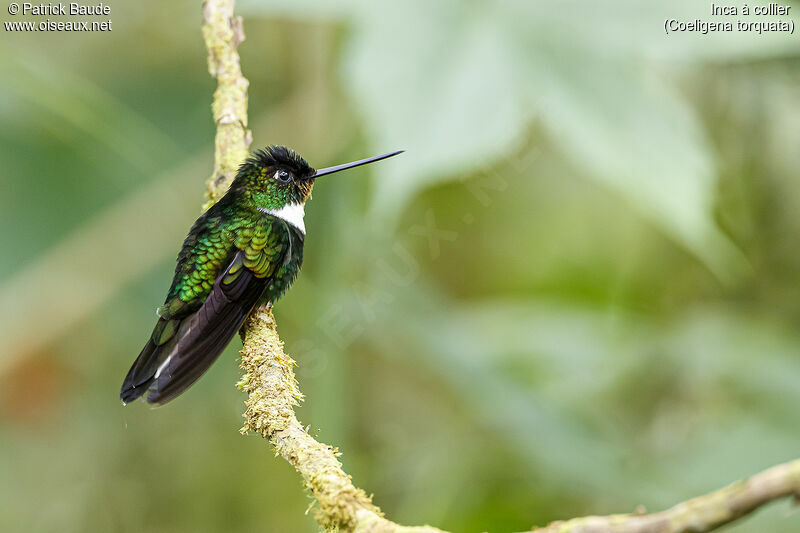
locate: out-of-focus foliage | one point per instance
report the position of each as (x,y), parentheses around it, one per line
(576,292)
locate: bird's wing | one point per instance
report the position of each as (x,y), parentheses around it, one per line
(189,337)
(206,251)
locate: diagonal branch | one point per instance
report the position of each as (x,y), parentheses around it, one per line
(269,379)
(273,392)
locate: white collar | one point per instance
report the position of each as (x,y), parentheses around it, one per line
(291,213)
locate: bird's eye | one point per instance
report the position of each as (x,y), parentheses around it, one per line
(282,176)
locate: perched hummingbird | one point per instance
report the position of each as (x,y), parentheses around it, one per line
(244,250)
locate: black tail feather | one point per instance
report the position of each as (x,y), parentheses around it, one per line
(140,374)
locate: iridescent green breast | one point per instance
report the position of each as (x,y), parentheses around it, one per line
(270,248)
(289,266)
(263,244)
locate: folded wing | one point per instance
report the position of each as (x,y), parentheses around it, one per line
(164,370)
(222,271)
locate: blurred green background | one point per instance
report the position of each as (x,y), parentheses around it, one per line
(577,292)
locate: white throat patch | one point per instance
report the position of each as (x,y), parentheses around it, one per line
(291,213)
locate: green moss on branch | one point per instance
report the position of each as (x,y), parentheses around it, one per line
(222,33)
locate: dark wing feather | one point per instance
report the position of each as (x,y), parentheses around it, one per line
(204,335)
(185,344)
(166,370)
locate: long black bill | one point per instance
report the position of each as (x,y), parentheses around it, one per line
(345,166)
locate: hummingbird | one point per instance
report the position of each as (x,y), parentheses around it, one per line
(245,250)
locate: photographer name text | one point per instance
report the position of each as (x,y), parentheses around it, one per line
(70,9)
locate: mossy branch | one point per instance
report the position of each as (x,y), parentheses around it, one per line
(268,372)
(273,392)
(222,33)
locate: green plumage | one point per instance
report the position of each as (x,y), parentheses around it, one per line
(247,248)
(238,253)
(210,246)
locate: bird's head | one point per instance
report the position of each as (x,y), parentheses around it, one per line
(276,177)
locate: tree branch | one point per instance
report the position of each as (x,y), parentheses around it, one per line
(272,388)
(270,383)
(222,33)
(268,371)
(699,515)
